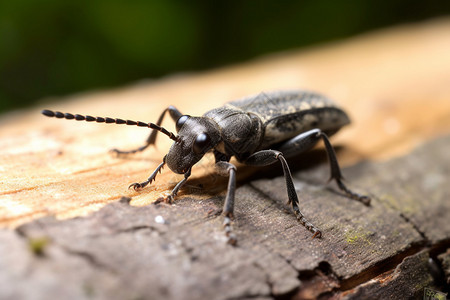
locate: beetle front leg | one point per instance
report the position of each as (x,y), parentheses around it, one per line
(268,157)
(140,185)
(224,168)
(174,114)
(177,187)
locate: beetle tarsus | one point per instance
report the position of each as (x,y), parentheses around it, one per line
(214,212)
(231,237)
(124,153)
(137,186)
(140,185)
(317,234)
(361,198)
(169,198)
(308,225)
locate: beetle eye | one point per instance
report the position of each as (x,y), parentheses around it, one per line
(202,142)
(180,122)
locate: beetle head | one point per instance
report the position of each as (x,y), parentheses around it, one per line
(196,136)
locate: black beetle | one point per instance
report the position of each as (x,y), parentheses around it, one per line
(259,130)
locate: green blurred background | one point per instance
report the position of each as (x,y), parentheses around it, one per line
(57,47)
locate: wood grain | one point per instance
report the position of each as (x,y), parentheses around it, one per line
(394,84)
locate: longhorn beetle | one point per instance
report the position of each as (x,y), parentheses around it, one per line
(259,131)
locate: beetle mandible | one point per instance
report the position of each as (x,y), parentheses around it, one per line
(258,131)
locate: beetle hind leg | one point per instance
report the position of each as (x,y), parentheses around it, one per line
(336,172)
(362,198)
(307,140)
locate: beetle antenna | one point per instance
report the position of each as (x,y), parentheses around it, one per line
(107,120)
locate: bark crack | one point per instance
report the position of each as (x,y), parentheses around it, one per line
(416,228)
(89,258)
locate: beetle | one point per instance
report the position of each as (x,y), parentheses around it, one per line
(258,130)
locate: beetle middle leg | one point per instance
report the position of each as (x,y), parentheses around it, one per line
(307,140)
(224,168)
(268,157)
(175,114)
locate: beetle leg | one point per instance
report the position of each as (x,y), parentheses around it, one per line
(174,114)
(139,185)
(224,168)
(268,157)
(336,172)
(177,187)
(307,140)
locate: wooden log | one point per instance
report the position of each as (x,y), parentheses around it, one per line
(394,83)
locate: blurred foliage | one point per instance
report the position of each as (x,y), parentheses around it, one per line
(54,47)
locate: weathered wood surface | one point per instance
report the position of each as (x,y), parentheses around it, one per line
(395,86)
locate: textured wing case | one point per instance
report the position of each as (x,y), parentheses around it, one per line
(285,114)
